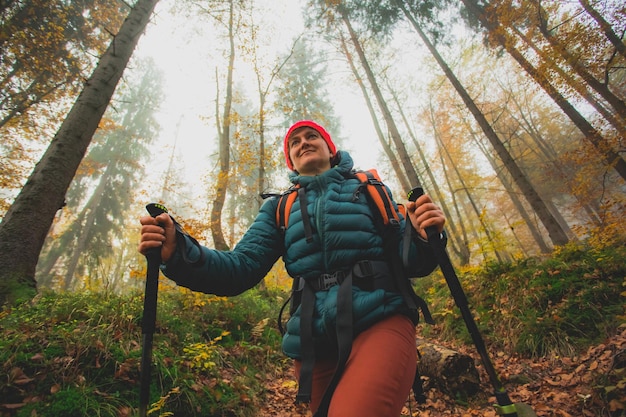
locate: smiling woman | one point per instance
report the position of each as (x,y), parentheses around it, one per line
(308,148)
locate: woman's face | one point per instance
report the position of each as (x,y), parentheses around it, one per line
(308,151)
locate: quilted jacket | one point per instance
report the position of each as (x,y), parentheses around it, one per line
(344,232)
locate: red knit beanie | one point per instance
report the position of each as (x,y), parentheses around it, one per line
(313,125)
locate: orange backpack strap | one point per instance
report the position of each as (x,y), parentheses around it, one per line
(377,191)
(402,209)
(285,201)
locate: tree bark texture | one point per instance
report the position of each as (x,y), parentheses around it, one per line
(24,228)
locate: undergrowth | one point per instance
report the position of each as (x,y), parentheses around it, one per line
(71,355)
(536,307)
(68,354)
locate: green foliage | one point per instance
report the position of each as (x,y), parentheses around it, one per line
(79,354)
(535,306)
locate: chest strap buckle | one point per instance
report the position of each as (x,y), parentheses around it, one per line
(325,281)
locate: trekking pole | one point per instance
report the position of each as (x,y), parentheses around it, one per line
(148,321)
(504,406)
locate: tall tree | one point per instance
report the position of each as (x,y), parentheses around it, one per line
(302,92)
(45,45)
(458,237)
(110,172)
(223,123)
(579,87)
(265,78)
(556,232)
(611,157)
(392,127)
(382,138)
(47,50)
(24,228)
(574,60)
(447,160)
(606,27)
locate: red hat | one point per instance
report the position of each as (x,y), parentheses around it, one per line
(313,125)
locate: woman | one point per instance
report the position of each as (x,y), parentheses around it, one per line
(332,229)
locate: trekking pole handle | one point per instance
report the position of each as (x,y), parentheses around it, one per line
(154,209)
(413,195)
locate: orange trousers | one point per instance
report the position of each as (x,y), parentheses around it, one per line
(378,376)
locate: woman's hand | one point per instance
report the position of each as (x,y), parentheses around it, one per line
(423,213)
(158,232)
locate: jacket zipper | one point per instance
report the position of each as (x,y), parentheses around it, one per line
(319,213)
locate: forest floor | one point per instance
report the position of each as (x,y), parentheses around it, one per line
(554,387)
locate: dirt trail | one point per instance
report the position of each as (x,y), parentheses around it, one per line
(553,387)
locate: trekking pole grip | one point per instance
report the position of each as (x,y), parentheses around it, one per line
(431,231)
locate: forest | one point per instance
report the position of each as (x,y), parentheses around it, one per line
(510,114)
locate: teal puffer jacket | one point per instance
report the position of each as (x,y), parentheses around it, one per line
(343,233)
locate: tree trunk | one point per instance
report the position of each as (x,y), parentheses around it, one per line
(534,230)
(405,160)
(470,198)
(450,371)
(617,42)
(576,85)
(221,185)
(575,63)
(400,175)
(612,158)
(86,221)
(457,241)
(557,234)
(24,228)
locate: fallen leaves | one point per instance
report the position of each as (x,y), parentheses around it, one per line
(552,387)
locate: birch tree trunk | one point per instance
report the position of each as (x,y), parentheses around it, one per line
(24,228)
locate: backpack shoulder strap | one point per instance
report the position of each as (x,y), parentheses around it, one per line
(377,191)
(379,197)
(374,187)
(285,201)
